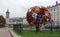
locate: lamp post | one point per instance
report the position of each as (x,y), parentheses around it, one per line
(51,22)
(57,18)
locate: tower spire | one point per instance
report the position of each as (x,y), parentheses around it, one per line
(7,16)
(7,13)
(56,2)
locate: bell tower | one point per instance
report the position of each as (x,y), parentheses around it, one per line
(7,16)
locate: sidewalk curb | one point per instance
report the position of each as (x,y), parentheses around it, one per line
(10,33)
(13,34)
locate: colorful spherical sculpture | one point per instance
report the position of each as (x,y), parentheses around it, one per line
(38,15)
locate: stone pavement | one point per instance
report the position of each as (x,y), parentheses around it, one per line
(4,32)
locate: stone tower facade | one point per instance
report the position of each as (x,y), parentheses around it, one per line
(7,16)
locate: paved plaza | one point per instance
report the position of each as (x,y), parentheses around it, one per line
(4,32)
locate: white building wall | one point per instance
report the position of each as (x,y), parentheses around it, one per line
(55,13)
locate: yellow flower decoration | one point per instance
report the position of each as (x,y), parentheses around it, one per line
(37,10)
(46,9)
(43,18)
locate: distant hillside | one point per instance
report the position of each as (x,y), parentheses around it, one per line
(16,19)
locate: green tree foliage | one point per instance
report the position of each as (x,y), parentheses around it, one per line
(2,20)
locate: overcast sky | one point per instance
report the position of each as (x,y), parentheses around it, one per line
(18,8)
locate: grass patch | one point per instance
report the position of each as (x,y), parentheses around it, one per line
(32,33)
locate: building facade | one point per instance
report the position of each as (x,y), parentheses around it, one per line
(55,13)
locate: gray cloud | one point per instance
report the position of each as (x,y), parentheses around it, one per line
(18,8)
